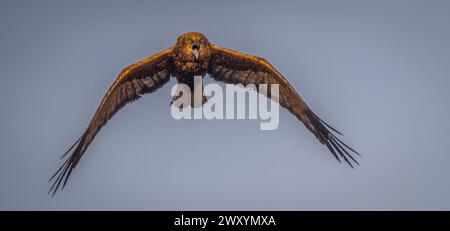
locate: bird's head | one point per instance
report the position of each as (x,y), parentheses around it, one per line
(192,53)
(195,45)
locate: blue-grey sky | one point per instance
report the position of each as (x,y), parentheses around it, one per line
(376,70)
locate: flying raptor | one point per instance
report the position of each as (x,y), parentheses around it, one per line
(193,55)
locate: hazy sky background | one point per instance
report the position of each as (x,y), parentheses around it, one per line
(376,70)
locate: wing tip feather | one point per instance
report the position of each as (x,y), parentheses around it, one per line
(337,147)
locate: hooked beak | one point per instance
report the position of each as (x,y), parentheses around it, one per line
(196,49)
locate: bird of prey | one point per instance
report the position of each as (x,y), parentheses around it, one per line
(193,55)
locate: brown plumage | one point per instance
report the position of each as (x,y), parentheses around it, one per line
(193,55)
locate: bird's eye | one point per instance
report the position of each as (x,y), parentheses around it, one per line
(190,41)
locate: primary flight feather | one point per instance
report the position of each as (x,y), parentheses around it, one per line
(193,55)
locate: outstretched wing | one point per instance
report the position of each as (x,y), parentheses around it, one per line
(237,68)
(142,77)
